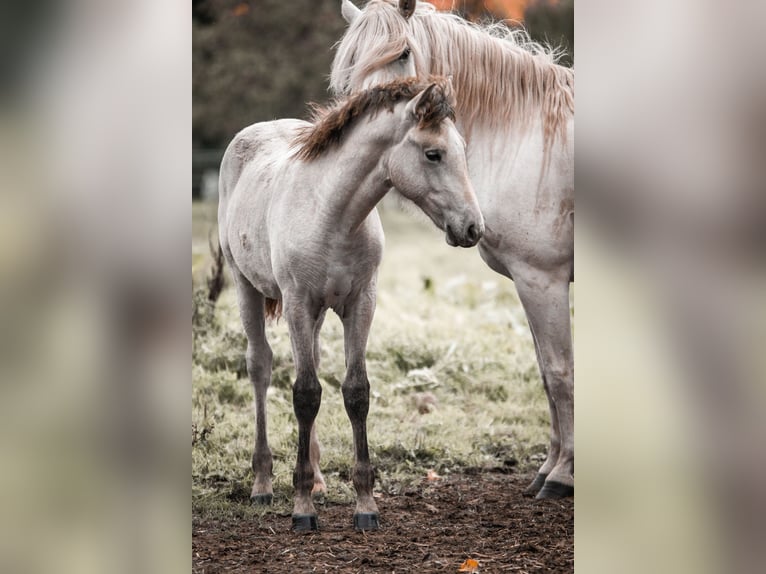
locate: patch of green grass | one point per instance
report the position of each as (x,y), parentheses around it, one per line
(447,329)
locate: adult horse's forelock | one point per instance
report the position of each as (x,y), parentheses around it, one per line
(376,36)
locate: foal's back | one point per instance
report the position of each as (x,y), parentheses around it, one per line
(258,150)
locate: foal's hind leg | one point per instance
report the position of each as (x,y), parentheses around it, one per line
(356,398)
(545,297)
(251,306)
(307,396)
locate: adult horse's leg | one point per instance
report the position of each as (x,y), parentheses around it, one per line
(259,355)
(319,488)
(307,396)
(555,440)
(356,398)
(545,296)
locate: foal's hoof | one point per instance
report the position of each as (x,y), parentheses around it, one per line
(555,490)
(366,521)
(535,486)
(305,522)
(262,499)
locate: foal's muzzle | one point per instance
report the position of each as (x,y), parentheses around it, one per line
(466,237)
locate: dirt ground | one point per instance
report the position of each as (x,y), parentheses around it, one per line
(434,527)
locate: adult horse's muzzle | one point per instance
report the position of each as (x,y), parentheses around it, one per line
(468,236)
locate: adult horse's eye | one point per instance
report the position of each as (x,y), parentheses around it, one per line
(404,55)
(433,155)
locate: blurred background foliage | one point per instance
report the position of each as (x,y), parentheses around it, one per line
(258,60)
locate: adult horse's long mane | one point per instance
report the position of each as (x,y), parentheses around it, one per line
(501,77)
(329,124)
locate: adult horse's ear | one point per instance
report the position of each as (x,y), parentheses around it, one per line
(349,11)
(407,7)
(418,105)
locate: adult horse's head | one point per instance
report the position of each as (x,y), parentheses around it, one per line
(502,78)
(377,47)
(428,165)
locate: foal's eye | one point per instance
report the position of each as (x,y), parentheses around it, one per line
(404,55)
(433,155)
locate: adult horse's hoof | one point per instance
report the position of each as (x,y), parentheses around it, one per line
(555,490)
(305,522)
(262,499)
(366,521)
(535,486)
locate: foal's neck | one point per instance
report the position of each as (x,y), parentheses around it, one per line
(359,171)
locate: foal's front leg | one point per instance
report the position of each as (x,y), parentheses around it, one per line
(307,396)
(356,398)
(320,487)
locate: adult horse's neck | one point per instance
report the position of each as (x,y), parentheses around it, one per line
(500,84)
(353,177)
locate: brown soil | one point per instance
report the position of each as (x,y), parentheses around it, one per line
(433,528)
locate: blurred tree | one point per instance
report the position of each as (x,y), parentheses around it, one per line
(258,60)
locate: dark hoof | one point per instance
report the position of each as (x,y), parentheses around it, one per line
(554,490)
(262,499)
(305,522)
(535,486)
(366,521)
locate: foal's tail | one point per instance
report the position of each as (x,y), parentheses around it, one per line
(215,279)
(273,309)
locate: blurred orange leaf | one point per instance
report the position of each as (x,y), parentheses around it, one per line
(432,475)
(469,565)
(241,9)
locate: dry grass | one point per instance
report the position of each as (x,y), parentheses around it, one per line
(445,325)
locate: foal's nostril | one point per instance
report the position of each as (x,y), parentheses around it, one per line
(472,233)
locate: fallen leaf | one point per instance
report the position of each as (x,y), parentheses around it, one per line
(469,565)
(432,475)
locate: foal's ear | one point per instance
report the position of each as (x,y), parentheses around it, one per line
(407,7)
(350,11)
(449,89)
(418,106)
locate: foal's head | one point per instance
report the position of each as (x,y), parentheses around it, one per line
(424,155)
(428,165)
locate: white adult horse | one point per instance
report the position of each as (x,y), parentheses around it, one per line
(299,229)
(515,107)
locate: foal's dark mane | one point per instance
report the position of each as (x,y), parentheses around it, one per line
(331,122)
